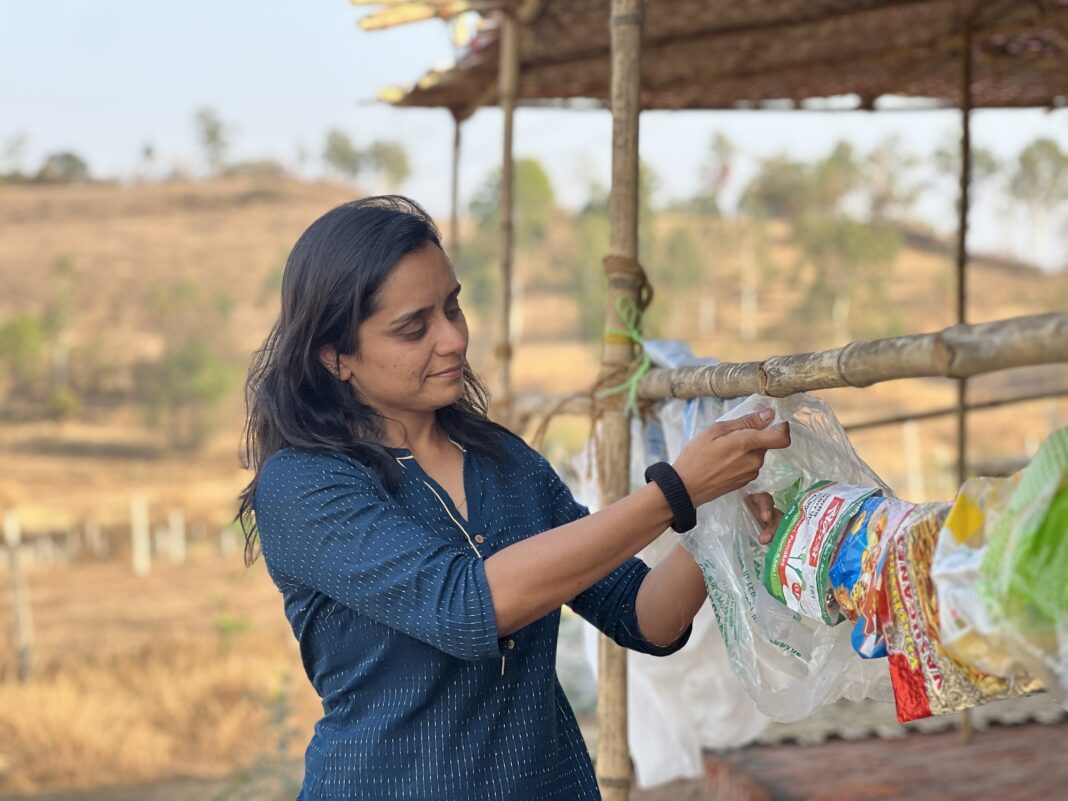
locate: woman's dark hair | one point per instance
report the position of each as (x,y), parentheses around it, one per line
(331,284)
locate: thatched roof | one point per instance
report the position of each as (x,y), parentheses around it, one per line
(723,54)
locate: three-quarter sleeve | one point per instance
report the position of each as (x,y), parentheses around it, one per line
(611,603)
(325,523)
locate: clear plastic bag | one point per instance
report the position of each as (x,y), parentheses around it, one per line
(790,665)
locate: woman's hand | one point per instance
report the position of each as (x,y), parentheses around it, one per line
(762,507)
(728,455)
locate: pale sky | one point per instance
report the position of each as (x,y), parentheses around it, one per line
(105,77)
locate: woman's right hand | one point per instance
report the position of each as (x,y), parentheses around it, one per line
(728,455)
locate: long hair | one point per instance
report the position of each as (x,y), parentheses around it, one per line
(331,284)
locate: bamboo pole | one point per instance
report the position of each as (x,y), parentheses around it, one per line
(960,351)
(454,199)
(508,78)
(613,754)
(533,407)
(962,237)
(965,720)
(945,412)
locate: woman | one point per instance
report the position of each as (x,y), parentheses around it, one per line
(422,551)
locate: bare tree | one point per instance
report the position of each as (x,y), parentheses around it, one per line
(891,186)
(390,160)
(341,155)
(1040,183)
(214,137)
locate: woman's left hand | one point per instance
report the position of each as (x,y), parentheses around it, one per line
(762,507)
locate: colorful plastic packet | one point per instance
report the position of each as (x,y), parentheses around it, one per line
(926,680)
(856,575)
(805,544)
(967,631)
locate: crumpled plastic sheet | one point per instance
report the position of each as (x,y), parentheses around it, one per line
(790,665)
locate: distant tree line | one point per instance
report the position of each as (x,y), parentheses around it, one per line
(844,215)
(384,161)
(46,372)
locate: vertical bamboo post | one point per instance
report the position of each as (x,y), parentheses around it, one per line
(21,599)
(962,271)
(508,79)
(613,754)
(962,238)
(454,200)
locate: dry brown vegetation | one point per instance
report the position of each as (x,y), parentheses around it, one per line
(191,670)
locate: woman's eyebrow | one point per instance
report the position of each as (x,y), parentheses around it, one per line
(407,317)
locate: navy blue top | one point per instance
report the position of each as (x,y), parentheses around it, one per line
(388,599)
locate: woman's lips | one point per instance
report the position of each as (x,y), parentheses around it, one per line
(454,372)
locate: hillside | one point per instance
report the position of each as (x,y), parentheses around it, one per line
(194,663)
(126,245)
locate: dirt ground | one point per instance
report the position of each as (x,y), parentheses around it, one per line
(1003,763)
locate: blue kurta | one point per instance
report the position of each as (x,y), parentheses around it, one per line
(388,599)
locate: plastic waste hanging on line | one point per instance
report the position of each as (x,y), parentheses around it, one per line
(1024,572)
(846,549)
(692,701)
(968,632)
(790,664)
(927,681)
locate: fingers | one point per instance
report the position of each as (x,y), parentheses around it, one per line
(771,438)
(767,534)
(762,507)
(756,420)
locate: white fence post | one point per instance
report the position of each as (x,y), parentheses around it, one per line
(176,542)
(94,539)
(72,544)
(23,613)
(227,541)
(46,552)
(139,536)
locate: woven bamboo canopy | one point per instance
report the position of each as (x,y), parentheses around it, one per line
(724,54)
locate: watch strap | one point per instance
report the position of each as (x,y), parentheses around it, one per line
(682,508)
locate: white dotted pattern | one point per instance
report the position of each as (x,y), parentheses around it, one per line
(393,614)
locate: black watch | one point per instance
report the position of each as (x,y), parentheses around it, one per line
(675,491)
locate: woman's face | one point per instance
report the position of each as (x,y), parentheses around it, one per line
(412,350)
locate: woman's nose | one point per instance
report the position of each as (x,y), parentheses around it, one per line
(453,337)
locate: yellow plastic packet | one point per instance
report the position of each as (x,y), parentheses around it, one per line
(968,632)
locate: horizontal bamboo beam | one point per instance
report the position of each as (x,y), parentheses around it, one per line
(956,352)
(932,414)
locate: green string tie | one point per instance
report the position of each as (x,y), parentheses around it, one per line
(631,316)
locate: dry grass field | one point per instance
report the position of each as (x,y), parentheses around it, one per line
(192,671)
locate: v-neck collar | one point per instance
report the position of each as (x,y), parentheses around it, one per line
(471,483)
